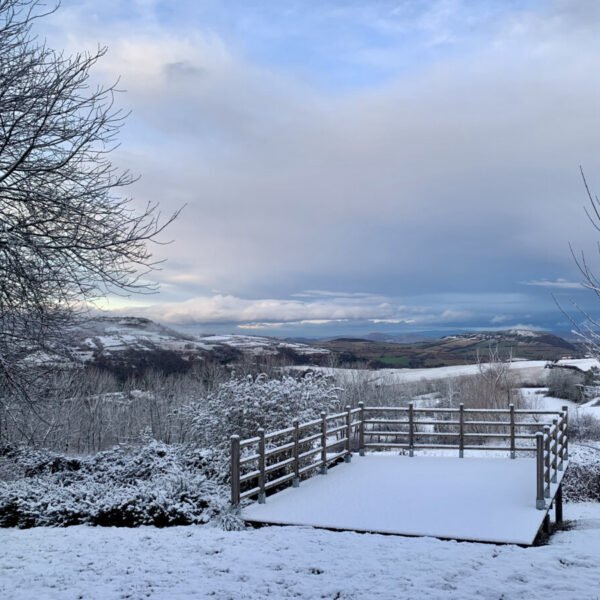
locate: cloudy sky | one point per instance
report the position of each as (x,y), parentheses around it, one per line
(356,166)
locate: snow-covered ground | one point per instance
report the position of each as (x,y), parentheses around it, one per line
(300,562)
(257,343)
(537,399)
(294,562)
(585,364)
(527,368)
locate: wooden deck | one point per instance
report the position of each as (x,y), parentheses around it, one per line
(471,495)
(475,499)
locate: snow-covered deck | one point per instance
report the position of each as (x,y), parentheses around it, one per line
(479,499)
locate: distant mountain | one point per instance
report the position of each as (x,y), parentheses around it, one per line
(452,349)
(129,345)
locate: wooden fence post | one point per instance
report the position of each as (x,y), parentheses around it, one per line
(262,496)
(361,429)
(547,460)
(558,506)
(323,469)
(235,470)
(348,456)
(411,429)
(296,480)
(546,524)
(566,439)
(513,452)
(555,451)
(461,430)
(540,503)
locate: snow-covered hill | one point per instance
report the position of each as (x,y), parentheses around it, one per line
(134,340)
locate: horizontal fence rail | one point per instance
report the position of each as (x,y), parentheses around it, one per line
(275,459)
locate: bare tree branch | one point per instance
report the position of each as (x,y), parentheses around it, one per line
(68,233)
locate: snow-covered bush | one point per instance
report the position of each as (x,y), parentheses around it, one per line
(155,484)
(241,406)
(565,383)
(584,426)
(231,520)
(582,479)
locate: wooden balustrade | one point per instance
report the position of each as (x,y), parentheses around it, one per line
(271,460)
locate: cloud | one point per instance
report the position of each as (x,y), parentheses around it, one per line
(558,283)
(221,308)
(501,319)
(411,152)
(276,312)
(514,326)
(282,324)
(327,294)
(455,315)
(392,321)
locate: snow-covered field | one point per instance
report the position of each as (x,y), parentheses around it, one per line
(294,562)
(527,368)
(537,399)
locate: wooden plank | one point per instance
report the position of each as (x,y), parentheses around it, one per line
(235,470)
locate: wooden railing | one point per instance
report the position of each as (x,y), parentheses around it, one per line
(552,453)
(272,460)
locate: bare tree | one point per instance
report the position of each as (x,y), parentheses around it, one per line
(585,325)
(67,232)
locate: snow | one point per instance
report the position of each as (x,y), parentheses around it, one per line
(410,375)
(261,345)
(537,399)
(237,341)
(527,369)
(485,499)
(111,341)
(181,563)
(585,364)
(42,358)
(524,333)
(303,348)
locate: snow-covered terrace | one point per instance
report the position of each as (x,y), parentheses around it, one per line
(496,493)
(478,499)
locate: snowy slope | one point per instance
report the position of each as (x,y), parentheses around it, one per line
(537,398)
(526,368)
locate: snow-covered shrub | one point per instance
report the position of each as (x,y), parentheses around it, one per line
(241,406)
(156,484)
(231,520)
(375,388)
(582,479)
(584,426)
(565,383)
